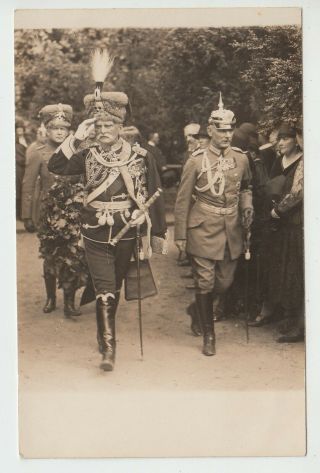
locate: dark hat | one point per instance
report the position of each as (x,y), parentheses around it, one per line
(249,128)
(240,140)
(286,131)
(203,131)
(56,115)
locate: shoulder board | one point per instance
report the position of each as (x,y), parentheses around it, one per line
(136,148)
(40,146)
(197,151)
(238,149)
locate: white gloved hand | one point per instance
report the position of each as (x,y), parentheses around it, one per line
(181,245)
(84,129)
(137,217)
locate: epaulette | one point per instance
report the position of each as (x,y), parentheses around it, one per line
(136,148)
(40,146)
(235,148)
(197,151)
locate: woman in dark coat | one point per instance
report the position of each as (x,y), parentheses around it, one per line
(283,245)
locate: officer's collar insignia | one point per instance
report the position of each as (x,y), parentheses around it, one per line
(215,150)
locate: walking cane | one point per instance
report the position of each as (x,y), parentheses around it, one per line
(139,288)
(247,257)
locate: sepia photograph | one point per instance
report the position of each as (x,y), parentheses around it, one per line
(159,173)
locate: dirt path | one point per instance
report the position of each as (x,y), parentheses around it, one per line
(58,357)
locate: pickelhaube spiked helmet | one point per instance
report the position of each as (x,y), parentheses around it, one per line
(56,115)
(222,119)
(106,105)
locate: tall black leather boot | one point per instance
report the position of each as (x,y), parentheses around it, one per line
(195,323)
(204,305)
(112,318)
(105,312)
(69,308)
(50,283)
(218,307)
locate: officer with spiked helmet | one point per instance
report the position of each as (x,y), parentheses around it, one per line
(210,228)
(119,180)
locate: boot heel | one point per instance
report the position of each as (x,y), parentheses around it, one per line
(209,347)
(69,308)
(49,306)
(107,363)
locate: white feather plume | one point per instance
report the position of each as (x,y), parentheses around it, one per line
(101,64)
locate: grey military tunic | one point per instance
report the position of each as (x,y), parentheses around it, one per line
(208,222)
(37,158)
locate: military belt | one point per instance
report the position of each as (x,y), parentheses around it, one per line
(218,210)
(121,205)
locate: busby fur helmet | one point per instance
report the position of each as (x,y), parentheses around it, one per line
(56,115)
(105,105)
(111,105)
(222,119)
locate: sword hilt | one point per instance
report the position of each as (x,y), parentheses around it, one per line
(128,225)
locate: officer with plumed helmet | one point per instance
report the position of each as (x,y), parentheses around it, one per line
(119,180)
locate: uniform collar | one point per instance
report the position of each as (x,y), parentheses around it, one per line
(217,151)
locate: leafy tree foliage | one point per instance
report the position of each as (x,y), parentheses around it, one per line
(172,76)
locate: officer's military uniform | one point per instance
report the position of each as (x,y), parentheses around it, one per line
(211,225)
(117,182)
(112,194)
(37,157)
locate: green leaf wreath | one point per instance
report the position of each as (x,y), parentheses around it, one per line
(59,233)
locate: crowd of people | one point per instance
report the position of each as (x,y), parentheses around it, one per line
(269,287)
(239,194)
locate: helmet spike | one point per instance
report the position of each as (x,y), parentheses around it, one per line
(220,104)
(221,118)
